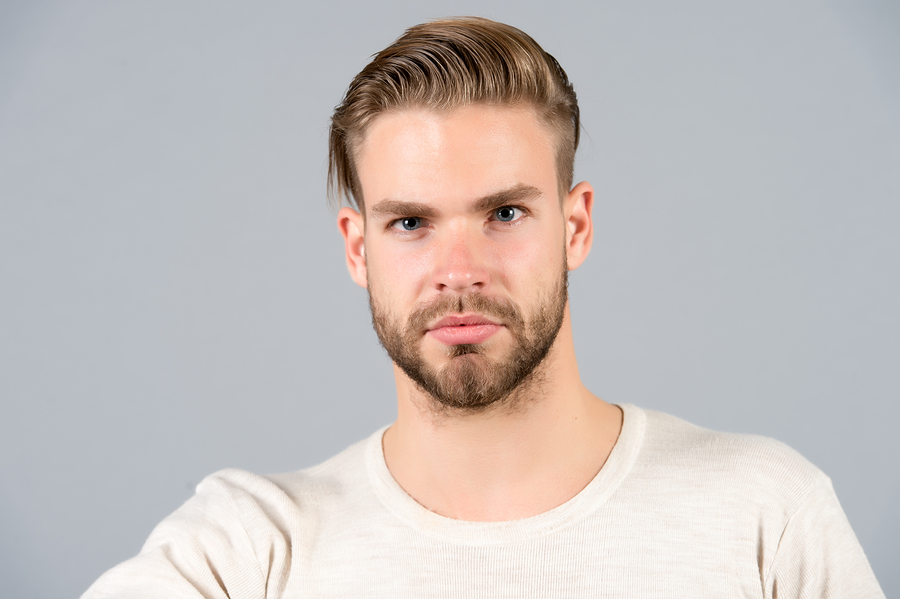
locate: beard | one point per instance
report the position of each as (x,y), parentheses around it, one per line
(471,381)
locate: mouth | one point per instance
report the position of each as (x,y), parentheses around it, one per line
(463,329)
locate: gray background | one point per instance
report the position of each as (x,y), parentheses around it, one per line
(173,297)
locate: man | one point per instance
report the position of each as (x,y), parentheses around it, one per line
(503,476)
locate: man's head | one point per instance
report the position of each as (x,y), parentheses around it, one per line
(467,232)
(448,64)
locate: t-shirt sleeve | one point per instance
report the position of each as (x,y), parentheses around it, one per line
(229,541)
(818,555)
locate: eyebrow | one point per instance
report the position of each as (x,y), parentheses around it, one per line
(513,195)
(398,208)
(387,208)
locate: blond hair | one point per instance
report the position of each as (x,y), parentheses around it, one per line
(447,64)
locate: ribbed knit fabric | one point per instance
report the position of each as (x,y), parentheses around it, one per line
(676,511)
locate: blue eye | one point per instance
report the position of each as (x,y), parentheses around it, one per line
(410,223)
(506,214)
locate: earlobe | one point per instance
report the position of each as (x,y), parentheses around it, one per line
(350,224)
(579,224)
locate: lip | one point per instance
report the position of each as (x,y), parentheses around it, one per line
(462,320)
(461,329)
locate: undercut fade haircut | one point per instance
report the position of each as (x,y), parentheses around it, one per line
(447,64)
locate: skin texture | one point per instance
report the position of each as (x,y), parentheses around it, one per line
(463,205)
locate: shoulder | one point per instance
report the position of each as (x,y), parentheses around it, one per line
(296,493)
(752,498)
(341,479)
(240,532)
(740,466)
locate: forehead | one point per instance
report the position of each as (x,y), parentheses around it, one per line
(419,154)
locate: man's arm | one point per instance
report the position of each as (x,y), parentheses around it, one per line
(228,541)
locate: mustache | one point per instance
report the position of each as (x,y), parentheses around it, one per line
(501,309)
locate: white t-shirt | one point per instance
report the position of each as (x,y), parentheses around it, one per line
(676,511)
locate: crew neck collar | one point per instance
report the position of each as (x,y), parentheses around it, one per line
(595,494)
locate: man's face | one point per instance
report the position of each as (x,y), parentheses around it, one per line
(464,246)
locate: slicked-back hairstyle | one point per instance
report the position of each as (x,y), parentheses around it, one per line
(448,64)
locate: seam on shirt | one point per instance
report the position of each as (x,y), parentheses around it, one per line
(812,487)
(236,510)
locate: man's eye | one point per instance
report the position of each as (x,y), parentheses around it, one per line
(507,214)
(410,223)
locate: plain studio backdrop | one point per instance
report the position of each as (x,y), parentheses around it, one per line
(173,294)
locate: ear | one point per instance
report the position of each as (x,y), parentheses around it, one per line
(350,224)
(579,224)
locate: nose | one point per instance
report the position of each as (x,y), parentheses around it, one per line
(460,263)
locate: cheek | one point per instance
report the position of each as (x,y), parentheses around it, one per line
(399,270)
(528,262)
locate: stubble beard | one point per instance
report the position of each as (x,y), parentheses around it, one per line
(471,381)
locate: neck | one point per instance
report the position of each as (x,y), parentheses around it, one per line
(520,459)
